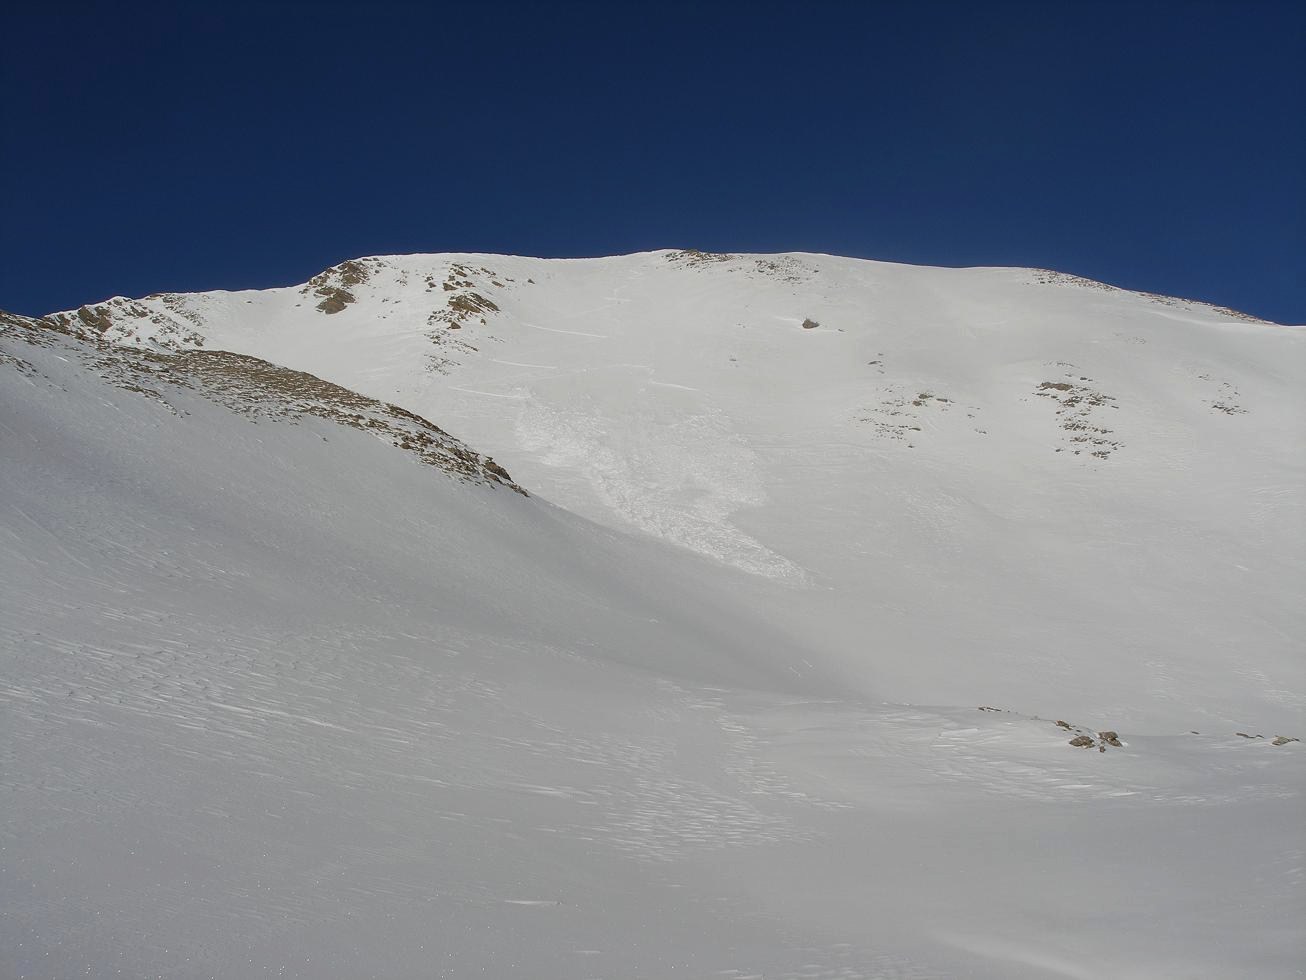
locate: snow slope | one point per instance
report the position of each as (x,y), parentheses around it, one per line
(1055,494)
(288,691)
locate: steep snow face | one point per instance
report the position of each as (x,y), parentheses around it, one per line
(980,485)
(295,682)
(287,691)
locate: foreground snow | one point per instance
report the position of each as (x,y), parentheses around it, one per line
(281,698)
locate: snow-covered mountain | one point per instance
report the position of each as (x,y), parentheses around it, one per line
(763,661)
(1054,493)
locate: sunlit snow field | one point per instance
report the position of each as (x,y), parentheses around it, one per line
(763,679)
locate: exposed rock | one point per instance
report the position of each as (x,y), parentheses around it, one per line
(334,299)
(692,257)
(333,285)
(258,389)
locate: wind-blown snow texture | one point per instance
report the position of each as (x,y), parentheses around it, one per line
(763,678)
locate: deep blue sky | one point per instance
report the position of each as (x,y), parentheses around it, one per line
(224,145)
